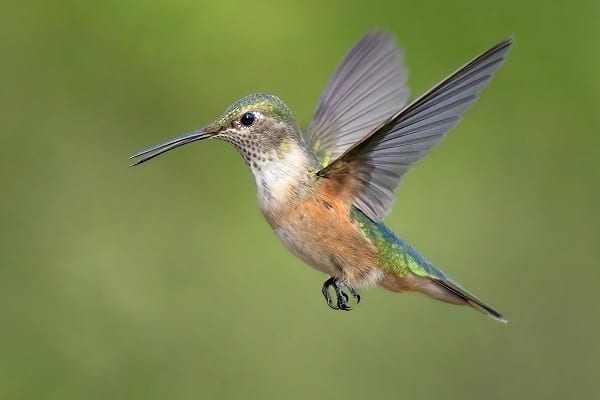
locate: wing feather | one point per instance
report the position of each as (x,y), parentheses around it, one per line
(379,160)
(367,88)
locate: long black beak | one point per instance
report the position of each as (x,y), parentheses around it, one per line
(169,145)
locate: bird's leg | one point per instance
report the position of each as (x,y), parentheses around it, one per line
(342,297)
(325,290)
(354,293)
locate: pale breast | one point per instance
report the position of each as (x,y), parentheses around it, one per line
(312,221)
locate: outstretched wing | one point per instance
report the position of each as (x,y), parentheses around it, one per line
(366,89)
(370,171)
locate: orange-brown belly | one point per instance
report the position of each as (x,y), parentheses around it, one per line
(321,234)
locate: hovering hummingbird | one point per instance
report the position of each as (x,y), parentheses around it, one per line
(325,193)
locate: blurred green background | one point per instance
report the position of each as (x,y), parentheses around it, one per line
(164,281)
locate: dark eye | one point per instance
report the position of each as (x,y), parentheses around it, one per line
(248,119)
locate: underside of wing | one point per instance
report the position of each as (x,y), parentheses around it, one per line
(366,89)
(372,168)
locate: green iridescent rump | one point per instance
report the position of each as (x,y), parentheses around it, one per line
(395,255)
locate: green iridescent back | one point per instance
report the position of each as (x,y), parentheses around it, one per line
(395,255)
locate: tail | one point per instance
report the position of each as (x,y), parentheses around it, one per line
(466,297)
(406,270)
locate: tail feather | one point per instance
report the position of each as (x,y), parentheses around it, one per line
(471,300)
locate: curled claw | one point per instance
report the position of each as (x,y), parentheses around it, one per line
(325,290)
(354,294)
(341,297)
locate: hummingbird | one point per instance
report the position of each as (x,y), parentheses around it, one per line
(326,192)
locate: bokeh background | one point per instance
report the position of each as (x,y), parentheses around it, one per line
(164,281)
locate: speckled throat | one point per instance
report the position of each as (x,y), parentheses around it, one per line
(282,166)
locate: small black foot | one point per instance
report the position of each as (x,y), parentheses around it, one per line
(341,296)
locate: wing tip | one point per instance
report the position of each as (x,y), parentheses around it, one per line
(501,47)
(381,34)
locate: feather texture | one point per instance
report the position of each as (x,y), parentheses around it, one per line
(378,161)
(366,89)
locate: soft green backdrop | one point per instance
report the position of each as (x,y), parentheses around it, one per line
(164,282)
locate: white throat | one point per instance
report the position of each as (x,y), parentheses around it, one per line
(282,177)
